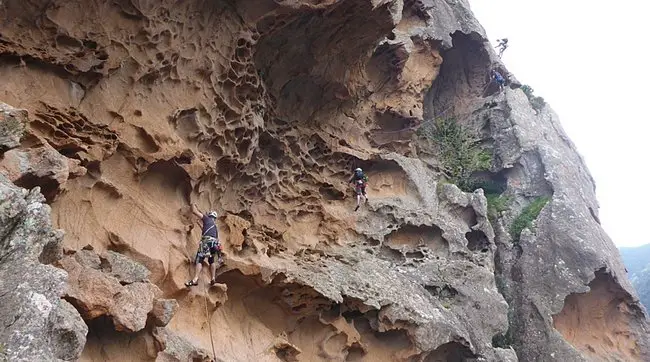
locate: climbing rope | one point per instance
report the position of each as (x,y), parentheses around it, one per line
(207,313)
(207,318)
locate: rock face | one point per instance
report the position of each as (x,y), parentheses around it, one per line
(36,324)
(260,110)
(116,288)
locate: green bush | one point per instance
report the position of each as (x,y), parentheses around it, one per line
(536,102)
(459,152)
(527,216)
(496,204)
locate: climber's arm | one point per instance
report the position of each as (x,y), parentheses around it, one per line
(196,211)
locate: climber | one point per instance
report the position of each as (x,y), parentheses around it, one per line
(209,245)
(360,180)
(503,44)
(499,79)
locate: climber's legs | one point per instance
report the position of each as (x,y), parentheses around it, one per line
(198,266)
(197,271)
(361,193)
(213,271)
(213,268)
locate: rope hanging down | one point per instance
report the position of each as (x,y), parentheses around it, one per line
(207,318)
(207,313)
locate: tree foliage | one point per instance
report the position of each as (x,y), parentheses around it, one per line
(458,150)
(536,102)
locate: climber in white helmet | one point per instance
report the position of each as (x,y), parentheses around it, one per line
(208,246)
(360,180)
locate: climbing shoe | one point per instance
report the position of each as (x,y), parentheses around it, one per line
(356,208)
(191,283)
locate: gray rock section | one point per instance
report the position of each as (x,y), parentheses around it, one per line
(132,305)
(125,269)
(68,331)
(12,126)
(175,348)
(88,259)
(445,18)
(438,299)
(30,304)
(94,291)
(163,311)
(568,244)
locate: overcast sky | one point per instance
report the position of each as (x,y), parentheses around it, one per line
(588,59)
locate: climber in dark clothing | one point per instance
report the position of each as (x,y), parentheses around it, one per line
(208,246)
(502,45)
(499,79)
(360,180)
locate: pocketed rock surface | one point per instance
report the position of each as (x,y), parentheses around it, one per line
(119,115)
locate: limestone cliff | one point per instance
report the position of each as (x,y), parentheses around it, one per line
(125,112)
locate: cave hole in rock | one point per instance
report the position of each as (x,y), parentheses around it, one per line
(330,193)
(392,341)
(386,178)
(310,87)
(386,64)
(445,291)
(355,353)
(271,146)
(491,183)
(599,322)
(392,121)
(169,175)
(411,238)
(463,74)
(393,128)
(396,339)
(414,255)
(477,241)
(49,187)
(390,254)
(451,352)
(104,343)
(70,150)
(287,353)
(309,329)
(185,158)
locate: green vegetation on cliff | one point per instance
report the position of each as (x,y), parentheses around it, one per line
(527,216)
(459,151)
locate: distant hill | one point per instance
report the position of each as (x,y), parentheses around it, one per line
(637,262)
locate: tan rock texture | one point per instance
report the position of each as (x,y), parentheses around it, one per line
(133,110)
